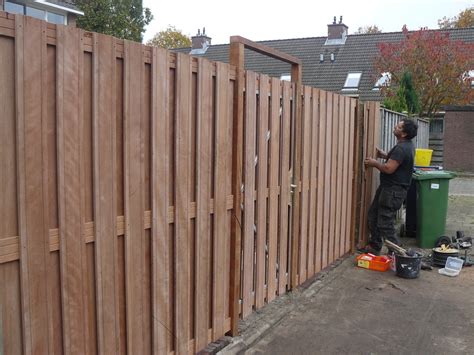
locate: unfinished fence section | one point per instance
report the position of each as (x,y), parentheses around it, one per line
(116,171)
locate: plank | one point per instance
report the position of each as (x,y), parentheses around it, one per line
(321,182)
(203,220)
(249,188)
(134,196)
(274,167)
(104,175)
(296,204)
(353,176)
(283,212)
(340,169)
(182,195)
(262,170)
(327,181)
(10,312)
(334,163)
(221,167)
(72,249)
(8,158)
(30,47)
(313,181)
(345,173)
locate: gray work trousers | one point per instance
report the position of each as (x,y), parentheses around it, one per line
(382,214)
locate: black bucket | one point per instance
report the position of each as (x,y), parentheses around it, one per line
(408,267)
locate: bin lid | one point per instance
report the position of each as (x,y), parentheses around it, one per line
(433,174)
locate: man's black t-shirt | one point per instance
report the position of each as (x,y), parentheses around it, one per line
(404,153)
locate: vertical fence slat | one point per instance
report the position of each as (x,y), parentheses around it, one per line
(262,165)
(334,192)
(345,183)
(104,194)
(249,188)
(34,237)
(313,182)
(320,232)
(338,238)
(220,210)
(72,245)
(305,192)
(327,181)
(352,177)
(162,328)
(203,220)
(296,165)
(134,196)
(182,196)
(285,120)
(274,160)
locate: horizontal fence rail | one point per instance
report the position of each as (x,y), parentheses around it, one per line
(149,198)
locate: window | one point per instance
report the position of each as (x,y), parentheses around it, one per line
(31,11)
(41,14)
(55,18)
(471,77)
(286,77)
(14,8)
(352,81)
(384,80)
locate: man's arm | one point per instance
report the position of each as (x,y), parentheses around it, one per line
(387,168)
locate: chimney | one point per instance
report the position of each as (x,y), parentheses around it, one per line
(201,40)
(337,31)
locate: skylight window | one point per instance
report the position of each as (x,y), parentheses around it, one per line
(384,80)
(352,81)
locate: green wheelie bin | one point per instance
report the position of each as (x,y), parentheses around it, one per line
(431,205)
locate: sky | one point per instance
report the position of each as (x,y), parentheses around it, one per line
(260,20)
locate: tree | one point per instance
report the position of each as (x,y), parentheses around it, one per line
(124,19)
(437,64)
(463,20)
(406,98)
(170,38)
(368,30)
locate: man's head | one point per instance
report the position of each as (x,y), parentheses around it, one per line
(405,129)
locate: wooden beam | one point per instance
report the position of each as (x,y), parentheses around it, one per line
(266,50)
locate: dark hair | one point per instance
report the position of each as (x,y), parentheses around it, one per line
(410,127)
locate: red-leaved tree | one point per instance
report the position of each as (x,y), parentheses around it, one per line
(439,67)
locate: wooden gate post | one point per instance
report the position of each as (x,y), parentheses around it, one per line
(237,59)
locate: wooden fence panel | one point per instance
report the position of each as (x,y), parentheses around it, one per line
(118,191)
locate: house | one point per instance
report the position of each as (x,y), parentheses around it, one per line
(55,11)
(338,62)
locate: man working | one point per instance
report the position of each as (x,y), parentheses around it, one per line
(395,179)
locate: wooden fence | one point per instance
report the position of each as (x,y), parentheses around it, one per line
(125,228)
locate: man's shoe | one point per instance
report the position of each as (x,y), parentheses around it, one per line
(369,250)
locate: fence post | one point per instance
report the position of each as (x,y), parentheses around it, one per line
(237,59)
(357,177)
